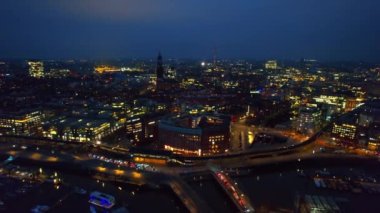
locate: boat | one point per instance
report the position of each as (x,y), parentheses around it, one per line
(102,200)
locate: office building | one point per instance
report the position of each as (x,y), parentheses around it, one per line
(344,132)
(36,69)
(201,135)
(26,123)
(271,65)
(309,120)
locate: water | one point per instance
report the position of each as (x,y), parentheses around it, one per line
(214,196)
(276,190)
(65,199)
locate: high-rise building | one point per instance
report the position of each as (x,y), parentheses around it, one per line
(271,65)
(36,69)
(159,67)
(309,120)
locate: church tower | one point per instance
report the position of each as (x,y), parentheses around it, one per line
(159,68)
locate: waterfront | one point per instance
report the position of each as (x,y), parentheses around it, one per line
(66,197)
(277,189)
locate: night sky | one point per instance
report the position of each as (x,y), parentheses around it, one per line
(253,29)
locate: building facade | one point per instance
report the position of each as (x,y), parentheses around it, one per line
(21,124)
(344,132)
(36,69)
(308,121)
(202,135)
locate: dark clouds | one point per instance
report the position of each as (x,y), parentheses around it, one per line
(328,30)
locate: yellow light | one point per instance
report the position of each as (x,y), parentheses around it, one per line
(36,156)
(137,159)
(251,137)
(136,175)
(119,172)
(52,159)
(101,169)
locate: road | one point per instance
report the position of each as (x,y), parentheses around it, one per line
(231,188)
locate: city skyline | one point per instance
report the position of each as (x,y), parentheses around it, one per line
(189,106)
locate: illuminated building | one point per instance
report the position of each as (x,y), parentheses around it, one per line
(158,157)
(369,120)
(135,128)
(58,73)
(309,120)
(352,103)
(230,84)
(141,122)
(295,102)
(131,69)
(195,135)
(189,82)
(374,136)
(142,128)
(271,65)
(165,84)
(152,79)
(36,69)
(171,73)
(333,100)
(77,129)
(106,69)
(24,123)
(330,105)
(344,131)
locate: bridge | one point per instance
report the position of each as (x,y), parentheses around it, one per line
(232,190)
(188,197)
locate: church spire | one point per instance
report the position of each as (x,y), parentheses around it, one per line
(159,68)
